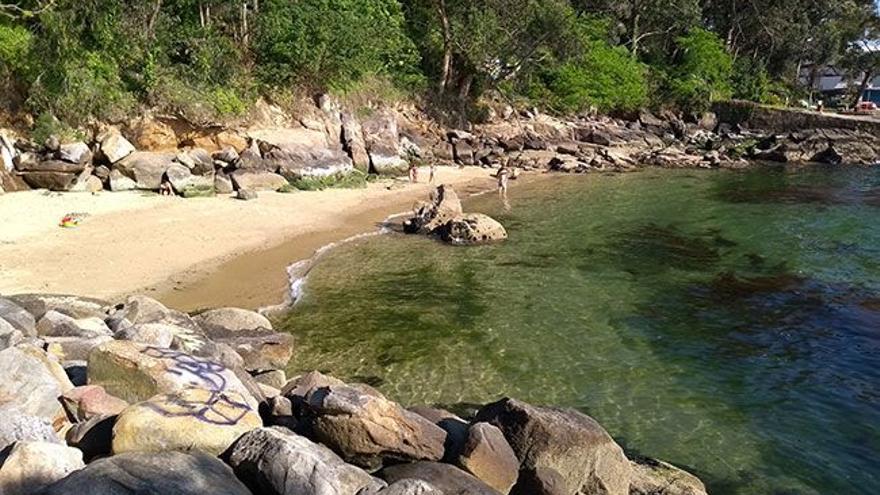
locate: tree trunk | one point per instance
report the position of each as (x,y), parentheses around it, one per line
(635,19)
(447,46)
(153,18)
(244,24)
(862,87)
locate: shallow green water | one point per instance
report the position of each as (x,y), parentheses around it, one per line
(728,322)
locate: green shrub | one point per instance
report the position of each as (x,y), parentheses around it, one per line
(351,180)
(604,77)
(702,71)
(47,125)
(332,43)
(15,45)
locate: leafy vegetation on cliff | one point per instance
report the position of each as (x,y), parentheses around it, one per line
(204,60)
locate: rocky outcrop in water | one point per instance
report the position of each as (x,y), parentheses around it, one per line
(443,217)
(179,415)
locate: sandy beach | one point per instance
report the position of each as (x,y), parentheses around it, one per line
(193,253)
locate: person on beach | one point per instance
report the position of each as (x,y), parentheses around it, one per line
(413,172)
(433,170)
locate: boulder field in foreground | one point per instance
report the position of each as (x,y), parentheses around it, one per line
(164,417)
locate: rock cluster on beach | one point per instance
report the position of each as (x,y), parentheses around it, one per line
(154,154)
(136,398)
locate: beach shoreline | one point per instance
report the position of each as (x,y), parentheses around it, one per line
(191,254)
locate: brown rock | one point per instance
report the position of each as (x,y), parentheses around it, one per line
(653,477)
(446,478)
(84,403)
(488,456)
(152,135)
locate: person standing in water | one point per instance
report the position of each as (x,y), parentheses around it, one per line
(503,177)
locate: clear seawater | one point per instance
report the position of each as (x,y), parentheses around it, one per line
(725,321)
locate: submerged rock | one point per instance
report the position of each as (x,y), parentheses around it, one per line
(165,473)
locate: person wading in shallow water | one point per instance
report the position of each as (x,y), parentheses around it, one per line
(503,177)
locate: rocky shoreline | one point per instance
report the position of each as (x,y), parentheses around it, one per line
(276,150)
(137,398)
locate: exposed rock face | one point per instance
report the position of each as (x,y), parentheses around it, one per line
(33,466)
(257,181)
(368,429)
(275,461)
(32,382)
(136,372)
(444,206)
(560,448)
(448,479)
(233,320)
(472,229)
(152,135)
(487,455)
(166,473)
(190,419)
(653,477)
(382,138)
(353,142)
(145,168)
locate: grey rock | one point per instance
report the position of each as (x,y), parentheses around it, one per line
(18,317)
(119,182)
(246,195)
(448,479)
(257,181)
(146,168)
(472,229)
(73,348)
(78,152)
(17,426)
(55,324)
(114,146)
(179,176)
(154,334)
(226,155)
(232,320)
(165,473)
(9,335)
(223,184)
(32,381)
(53,181)
(275,461)
(31,163)
(259,350)
(559,447)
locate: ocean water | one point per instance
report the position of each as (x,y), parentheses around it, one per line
(725,321)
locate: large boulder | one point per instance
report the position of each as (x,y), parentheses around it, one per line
(188,336)
(653,477)
(260,350)
(559,448)
(18,317)
(233,320)
(190,419)
(77,152)
(368,429)
(448,479)
(55,324)
(72,306)
(114,146)
(164,473)
(73,348)
(33,466)
(443,207)
(118,182)
(275,461)
(487,455)
(31,164)
(249,180)
(53,181)
(146,169)
(472,229)
(382,138)
(33,382)
(9,335)
(136,372)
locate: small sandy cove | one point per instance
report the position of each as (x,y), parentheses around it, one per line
(189,253)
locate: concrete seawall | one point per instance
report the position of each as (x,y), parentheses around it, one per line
(782,120)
